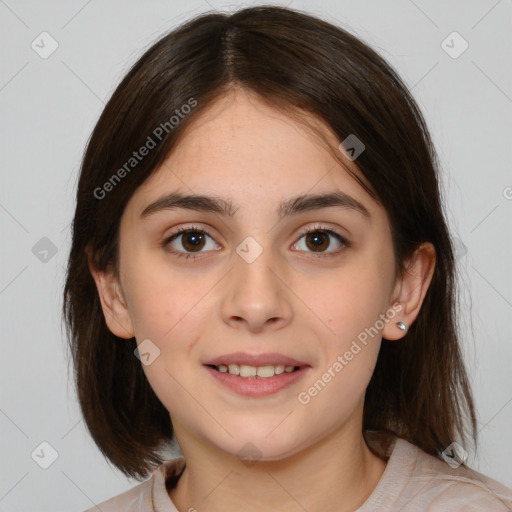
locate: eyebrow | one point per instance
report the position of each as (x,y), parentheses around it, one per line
(221,206)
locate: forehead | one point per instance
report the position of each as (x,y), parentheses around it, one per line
(242,148)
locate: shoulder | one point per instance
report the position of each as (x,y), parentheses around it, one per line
(135,499)
(458,489)
(416,481)
(144,496)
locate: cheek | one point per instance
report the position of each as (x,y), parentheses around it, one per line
(350,305)
(163,300)
(352,301)
(168,307)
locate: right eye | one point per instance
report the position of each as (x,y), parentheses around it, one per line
(192,240)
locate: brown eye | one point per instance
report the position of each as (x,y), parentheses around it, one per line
(318,241)
(193,241)
(186,242)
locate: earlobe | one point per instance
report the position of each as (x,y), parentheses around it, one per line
(113,304)
(410,291)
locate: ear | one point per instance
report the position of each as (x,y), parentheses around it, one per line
(410,290)
(113,304)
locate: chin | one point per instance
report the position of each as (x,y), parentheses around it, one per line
(260,447)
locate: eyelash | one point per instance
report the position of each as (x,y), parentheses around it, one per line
(194,229)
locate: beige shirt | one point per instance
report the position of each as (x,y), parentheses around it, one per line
(413,481)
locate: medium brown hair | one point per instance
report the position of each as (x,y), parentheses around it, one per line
(296,63)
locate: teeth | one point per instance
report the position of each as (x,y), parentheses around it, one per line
(234,369)
(262,372)
(265,371)
(248,371)
(279,369)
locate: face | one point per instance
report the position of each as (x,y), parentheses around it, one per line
(294,286)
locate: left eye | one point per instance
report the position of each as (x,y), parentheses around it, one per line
(318,240)
(193,240)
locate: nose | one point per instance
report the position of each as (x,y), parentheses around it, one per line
(256,296)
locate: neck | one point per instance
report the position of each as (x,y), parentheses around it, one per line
(313,479)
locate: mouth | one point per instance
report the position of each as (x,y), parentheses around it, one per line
(256,381)
(256,375)
(254,372)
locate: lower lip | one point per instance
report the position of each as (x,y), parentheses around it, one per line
(258,387)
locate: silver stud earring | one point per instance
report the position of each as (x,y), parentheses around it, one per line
(401,326)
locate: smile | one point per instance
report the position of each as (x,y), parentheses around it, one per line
(256,381)
(258,372)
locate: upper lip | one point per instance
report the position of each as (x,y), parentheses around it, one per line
(270,358)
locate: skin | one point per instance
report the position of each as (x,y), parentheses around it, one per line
(285,301)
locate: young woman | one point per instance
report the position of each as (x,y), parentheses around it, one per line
(261,271)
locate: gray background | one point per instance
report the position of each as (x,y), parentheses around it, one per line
(48,108)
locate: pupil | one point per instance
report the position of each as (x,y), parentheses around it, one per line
(318,240)
(193,240)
